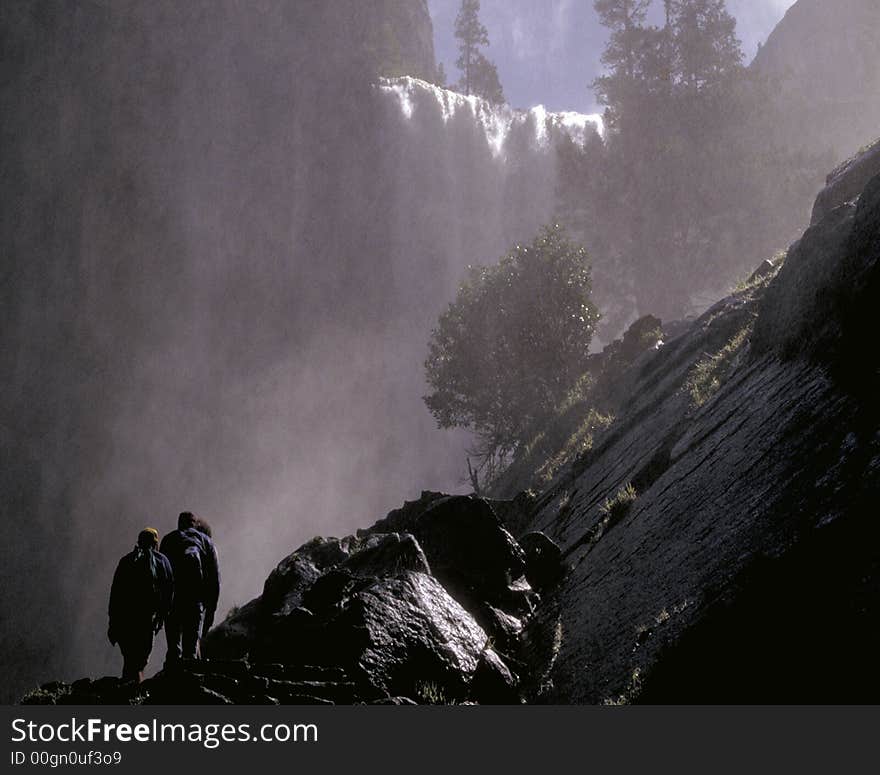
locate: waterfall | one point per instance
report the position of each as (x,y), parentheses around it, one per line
(499,122)
(474,178)
(226,257)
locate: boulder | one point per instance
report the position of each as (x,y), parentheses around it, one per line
(493,683)
(286,585)
(388,554)
(503,628)
(847,182)
(544,565)
(471,553)
(406,631)
(330,591)
(234,636)
(401,520)
(515,514)
(642,335)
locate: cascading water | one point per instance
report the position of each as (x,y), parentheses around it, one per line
(473,179)
(499,122)
(227,256)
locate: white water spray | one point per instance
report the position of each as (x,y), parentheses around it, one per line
(498,122)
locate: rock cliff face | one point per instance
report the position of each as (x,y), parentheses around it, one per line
(400,33)
(824,54)
(745,567)
(719,542)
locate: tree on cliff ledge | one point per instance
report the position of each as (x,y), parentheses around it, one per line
(478,75)
(514,342)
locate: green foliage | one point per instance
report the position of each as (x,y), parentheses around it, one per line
(624,53)
(751,283)
(478,75)
(429,693)
(694,184)
(630,693)
(578,443)
(41,696)
(706,378)
(705,48)
(514,342)
(616,508)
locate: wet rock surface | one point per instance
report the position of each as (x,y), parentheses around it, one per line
(746,568)
(743,567)
(426,606)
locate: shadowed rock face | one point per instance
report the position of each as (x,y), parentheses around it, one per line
(824,56)
(746,569)
(847,182)
(403,36)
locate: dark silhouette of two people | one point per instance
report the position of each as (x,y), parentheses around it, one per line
(176,585)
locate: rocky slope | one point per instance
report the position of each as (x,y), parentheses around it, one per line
(433,603)
(718,541)
(746,566)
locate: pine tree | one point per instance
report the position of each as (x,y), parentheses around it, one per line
(624,18)
(478,75)
(622,57)
(707,50)
(484,80)
(686,194)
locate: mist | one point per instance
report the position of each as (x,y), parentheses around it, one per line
(224,255)
(225,244)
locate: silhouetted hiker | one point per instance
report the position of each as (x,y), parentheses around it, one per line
(202,526)
(140,600)
(196,587)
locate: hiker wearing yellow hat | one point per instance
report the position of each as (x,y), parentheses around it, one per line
(140,599)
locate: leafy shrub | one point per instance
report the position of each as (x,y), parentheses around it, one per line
(514,342)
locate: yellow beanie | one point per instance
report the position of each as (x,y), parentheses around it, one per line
(149,535)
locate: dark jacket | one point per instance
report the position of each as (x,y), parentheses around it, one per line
(204,585)
(142,592)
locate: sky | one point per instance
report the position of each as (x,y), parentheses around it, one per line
(547,51)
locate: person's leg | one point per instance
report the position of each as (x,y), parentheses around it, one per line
(172,637)
(129,671)
(146,647)
(136,647)
(191,630)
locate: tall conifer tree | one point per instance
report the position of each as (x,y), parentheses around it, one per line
(478,75)
(707,50)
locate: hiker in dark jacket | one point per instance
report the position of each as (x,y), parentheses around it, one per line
(140,600)
(197,587)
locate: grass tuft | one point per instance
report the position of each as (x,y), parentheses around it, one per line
(616,508)
(706,378)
